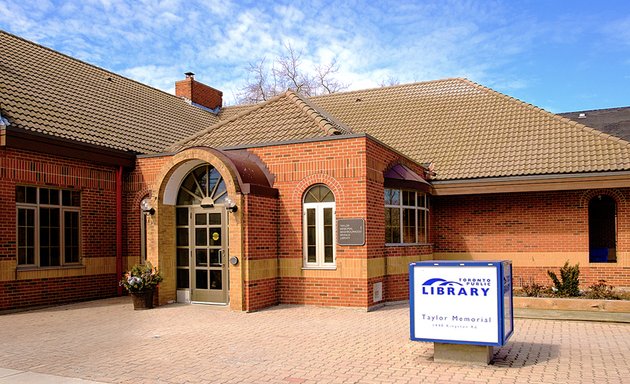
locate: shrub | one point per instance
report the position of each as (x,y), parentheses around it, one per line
(533,290)
(601,290)
(569,282)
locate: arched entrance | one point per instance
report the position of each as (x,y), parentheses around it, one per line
(201,236)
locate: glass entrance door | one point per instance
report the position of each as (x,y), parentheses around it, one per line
(208,272)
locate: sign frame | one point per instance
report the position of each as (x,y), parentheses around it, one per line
(350,222)
(504,316)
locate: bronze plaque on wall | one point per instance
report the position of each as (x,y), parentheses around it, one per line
(351,232)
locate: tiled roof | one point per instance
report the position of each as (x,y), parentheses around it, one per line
(283,118)
(45,91)
(613,121)
(469,131)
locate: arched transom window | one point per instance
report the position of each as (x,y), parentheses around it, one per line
(319,227)
(203,186)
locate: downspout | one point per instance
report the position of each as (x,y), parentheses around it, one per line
(119,218)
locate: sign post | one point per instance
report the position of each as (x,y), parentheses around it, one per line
(463,307)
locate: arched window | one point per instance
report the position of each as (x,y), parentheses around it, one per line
(319,227)
(602,229)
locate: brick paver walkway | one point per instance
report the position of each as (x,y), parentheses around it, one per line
(107,341)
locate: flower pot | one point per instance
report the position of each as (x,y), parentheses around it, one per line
(142,299)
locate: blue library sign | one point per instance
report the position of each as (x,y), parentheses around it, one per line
(461,302)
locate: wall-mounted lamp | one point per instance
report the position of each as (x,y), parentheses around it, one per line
(146,207)
(230,205)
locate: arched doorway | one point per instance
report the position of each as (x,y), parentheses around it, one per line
(201,236)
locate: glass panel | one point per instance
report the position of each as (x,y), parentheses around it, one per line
(44,196)
(26,236)
(20,194)
(201,279)
(392,197)
(392,225)
(328,254)
(310,229)
(220,199)
(220,191)
(71,237)
(409,225)
(182,237)
(201,236)
(311,257)
(54,196)
(200,219)
(214,178)
(215,237)
(215,219)
(422,200)
(183,275)
(49,237)
(182,216)
(422,228)
(319,193)
(216,279)
(409,198)
(65,198)
(201,257)
(31,195)
(328,227)
(182,257)
(215,257)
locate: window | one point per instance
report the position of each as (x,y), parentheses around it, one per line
(602,229)
(319,227)
(406,217)
(47,226)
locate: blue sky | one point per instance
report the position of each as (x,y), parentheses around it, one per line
(558,55)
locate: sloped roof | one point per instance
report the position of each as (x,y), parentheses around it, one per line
(469,131)
(613,121)
(47,92)
(283,118)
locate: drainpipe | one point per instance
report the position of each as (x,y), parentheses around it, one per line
(119,218)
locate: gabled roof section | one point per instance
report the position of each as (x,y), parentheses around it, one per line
(48,92)
(470,131)
(286,117)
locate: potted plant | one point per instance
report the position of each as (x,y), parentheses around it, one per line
(141,281)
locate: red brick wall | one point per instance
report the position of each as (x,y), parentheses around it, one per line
(541,222)
(98,223)
(340,164)
(136,186)
(380,159)
(43,292)
(261,242)
(324,292)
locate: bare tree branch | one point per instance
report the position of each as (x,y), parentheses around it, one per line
(287,72)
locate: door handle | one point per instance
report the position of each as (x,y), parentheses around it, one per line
(221,257)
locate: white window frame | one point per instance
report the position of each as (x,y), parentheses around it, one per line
(319,235)
(418,214)
(36,241)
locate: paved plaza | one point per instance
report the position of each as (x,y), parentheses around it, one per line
(107,341)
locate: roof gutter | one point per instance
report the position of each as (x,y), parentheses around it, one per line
(533,183)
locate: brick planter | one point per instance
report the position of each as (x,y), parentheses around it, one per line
(592,305)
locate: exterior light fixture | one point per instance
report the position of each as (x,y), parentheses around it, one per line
(146,207)
(230,205)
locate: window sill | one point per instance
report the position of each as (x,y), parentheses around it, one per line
(331,268)
(405,244)
(28,268)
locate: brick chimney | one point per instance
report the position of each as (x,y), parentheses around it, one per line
(198,93)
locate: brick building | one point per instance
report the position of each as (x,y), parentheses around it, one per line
(322,200)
